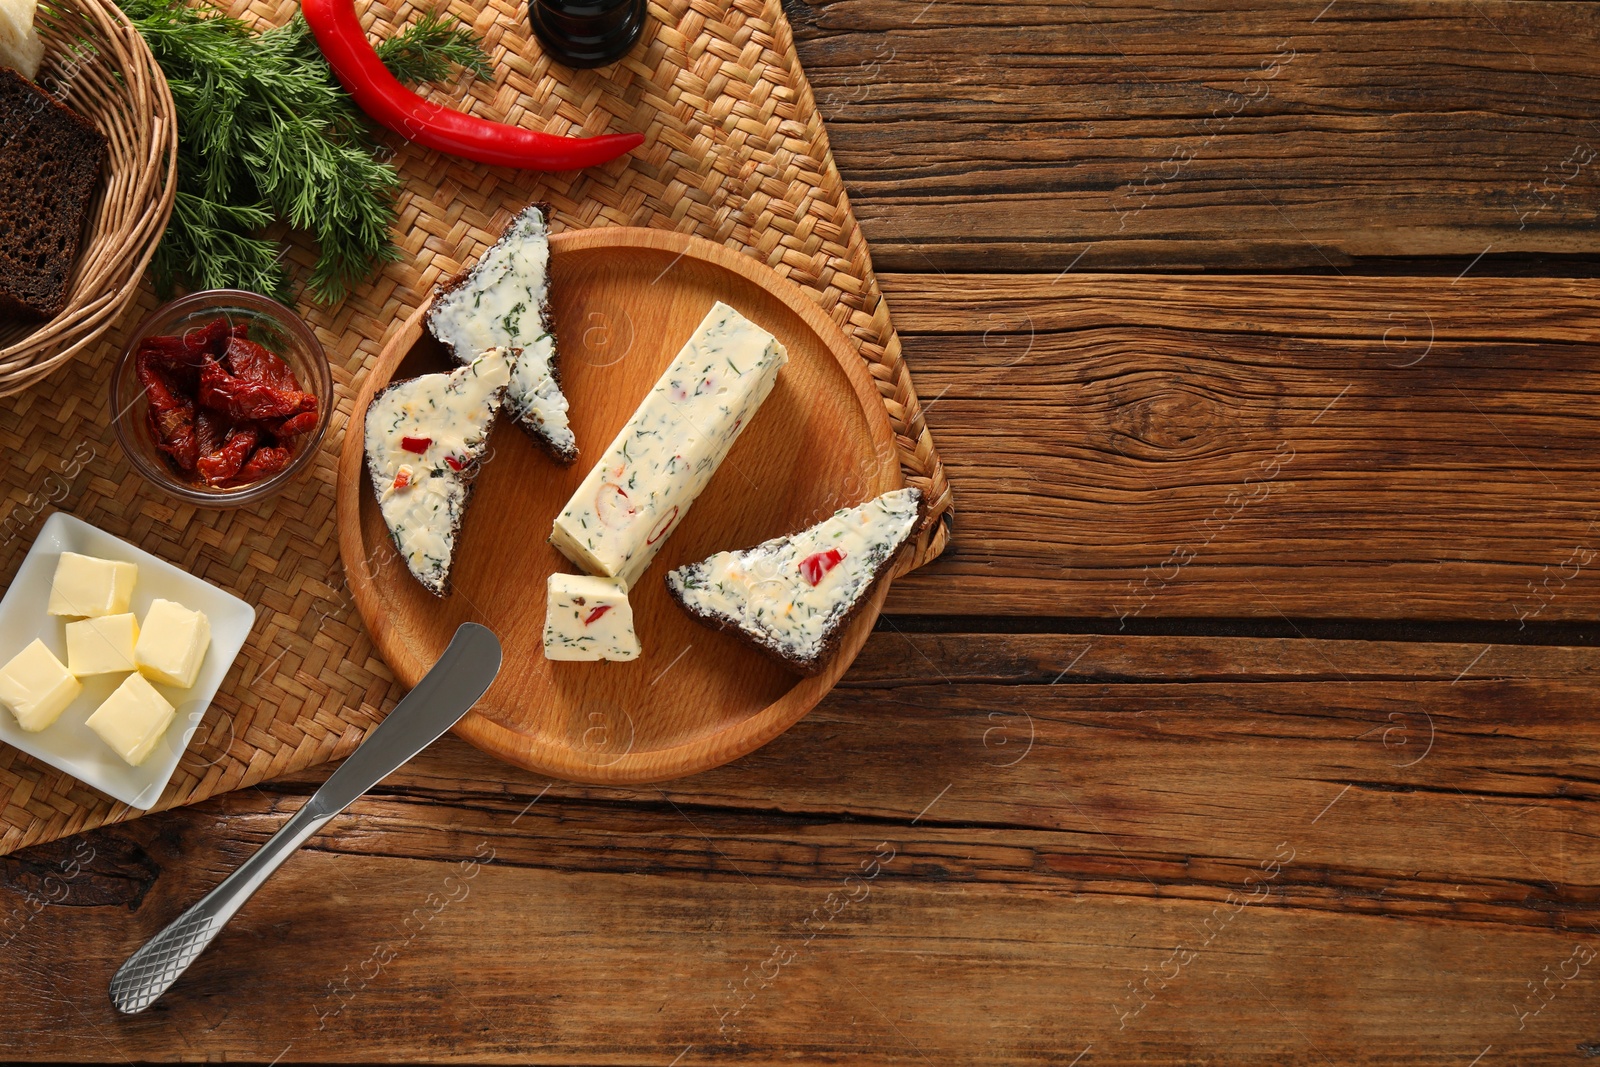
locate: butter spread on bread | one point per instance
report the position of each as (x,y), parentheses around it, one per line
(503,301)
(424,437)
(793,596)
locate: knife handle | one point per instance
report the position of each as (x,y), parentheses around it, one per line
(150,972)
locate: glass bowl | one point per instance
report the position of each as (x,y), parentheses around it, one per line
(272,326)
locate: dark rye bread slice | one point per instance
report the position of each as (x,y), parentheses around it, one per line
(459,309)
(50,163)
(687,586)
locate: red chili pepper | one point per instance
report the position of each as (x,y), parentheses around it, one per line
(380,95)
(454,464)
(814,566)
(419,445)
(595,613)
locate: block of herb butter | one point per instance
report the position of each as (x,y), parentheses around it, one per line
(172,644)
(666,454)
(793,596)
(588,618)
(88,586)
(133,718)
(37,687)
(102,645)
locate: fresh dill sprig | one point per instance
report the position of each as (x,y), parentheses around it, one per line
(266,134)
(431,48)
(209,245)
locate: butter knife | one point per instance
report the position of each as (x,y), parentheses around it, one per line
(445,694)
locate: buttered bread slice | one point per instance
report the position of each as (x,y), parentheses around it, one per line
(424,438)
(793,596)
(503,301)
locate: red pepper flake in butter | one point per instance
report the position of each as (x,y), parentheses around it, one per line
(816,566)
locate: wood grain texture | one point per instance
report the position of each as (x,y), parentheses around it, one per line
(1242,850)
(1128,848)
(624,301)
(1242,135)
(1385,448)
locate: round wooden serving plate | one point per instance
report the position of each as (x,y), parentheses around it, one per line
(624,301)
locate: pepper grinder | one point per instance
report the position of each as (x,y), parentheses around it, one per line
(587,33)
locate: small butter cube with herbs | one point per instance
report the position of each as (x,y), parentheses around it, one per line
(87,586)
(101,645)
(133,719)
(172,644)
(37,687)
(588,618)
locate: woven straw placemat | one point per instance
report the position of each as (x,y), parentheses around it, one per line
(735,152)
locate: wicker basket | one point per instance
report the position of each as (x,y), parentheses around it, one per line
(97,64)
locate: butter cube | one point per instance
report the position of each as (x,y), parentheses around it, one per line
(37,687)
(85,585)
(102,645)
(172,643)
(588,618)
(132,719)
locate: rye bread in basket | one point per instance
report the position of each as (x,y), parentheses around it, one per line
(50,163)
(98,65)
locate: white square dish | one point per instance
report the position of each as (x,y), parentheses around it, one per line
(68,744)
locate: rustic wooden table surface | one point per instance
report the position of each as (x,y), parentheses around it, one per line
(1251,718)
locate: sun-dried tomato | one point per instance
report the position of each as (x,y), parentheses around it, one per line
(210,430)
(244,399)
(221,406)
(169,413)
(219,466)
(207,340)
(293,426)
(248,360)
(173,430)
(263,464)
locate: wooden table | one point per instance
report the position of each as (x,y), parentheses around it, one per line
(1251,717)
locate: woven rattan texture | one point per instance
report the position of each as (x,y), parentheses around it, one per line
(735,152)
